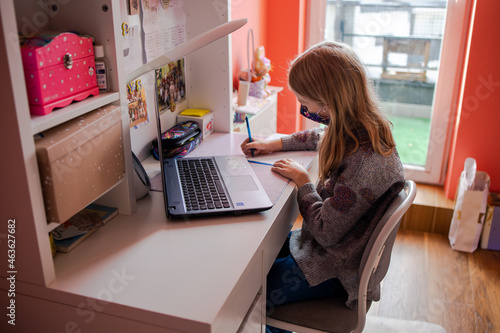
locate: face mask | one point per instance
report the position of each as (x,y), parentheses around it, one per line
(313,116)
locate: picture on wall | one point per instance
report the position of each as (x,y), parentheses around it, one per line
(137,109)
(171,84)
(134,7)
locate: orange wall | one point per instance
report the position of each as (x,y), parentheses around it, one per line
(285,35)
(255,12)
(279,25)
(478,117)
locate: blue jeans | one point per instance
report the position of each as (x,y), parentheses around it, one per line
(287,284)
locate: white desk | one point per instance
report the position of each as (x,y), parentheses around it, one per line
(157,275)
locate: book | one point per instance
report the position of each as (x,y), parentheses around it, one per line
(52,245)
(81,226)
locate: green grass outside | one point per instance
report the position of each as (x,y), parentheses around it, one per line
(412,138)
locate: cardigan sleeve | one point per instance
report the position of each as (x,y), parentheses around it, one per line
(344,198)
(304,140)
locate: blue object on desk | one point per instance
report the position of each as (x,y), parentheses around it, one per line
(257,162)
(249,134)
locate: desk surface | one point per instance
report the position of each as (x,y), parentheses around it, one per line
(199,275)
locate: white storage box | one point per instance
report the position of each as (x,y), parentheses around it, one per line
(205,122)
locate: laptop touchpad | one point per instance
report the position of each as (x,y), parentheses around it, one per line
(240,183)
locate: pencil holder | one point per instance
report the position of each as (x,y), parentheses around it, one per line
(243,91)
(178,141)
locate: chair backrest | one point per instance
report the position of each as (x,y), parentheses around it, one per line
(377,254)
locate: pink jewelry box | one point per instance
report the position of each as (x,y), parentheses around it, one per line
(59,68)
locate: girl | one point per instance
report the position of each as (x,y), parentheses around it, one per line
(359,175)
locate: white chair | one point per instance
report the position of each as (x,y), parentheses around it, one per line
(331,314)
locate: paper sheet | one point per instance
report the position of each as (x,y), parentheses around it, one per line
(163,27)
(272,182)
(132,47)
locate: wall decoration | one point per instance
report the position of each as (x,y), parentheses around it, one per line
(171,84)
(137,109)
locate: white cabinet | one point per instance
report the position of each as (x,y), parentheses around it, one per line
(33,256)
(264,122)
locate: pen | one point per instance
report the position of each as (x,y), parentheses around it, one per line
(263,163)
(249,134)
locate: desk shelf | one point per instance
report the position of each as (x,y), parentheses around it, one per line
(76,109)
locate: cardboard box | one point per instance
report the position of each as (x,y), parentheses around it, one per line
(206,122)
(79,161)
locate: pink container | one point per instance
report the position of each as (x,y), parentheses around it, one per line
(58,69)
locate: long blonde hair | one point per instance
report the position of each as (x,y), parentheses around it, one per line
(331,74)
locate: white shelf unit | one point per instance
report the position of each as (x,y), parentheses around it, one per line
(209,85)
(42,123)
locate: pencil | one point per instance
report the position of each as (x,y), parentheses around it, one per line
(249,134)
(263,163)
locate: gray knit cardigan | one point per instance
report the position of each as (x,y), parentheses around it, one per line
(341,213)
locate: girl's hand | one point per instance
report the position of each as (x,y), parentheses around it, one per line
(292,170)
(261,147)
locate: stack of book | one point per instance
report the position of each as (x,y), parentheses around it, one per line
(81,226)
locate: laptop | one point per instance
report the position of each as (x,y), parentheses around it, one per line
(212,185)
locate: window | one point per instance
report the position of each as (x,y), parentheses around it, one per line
(403,45)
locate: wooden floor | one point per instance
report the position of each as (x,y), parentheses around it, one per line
(431,211)
(428,281)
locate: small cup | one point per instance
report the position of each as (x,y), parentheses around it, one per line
(243,93)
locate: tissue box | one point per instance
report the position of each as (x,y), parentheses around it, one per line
(205,122)
(58,69)
(79,161)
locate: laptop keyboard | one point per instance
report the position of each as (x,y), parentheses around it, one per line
(201,187)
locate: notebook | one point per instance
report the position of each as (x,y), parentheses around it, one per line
(227,185)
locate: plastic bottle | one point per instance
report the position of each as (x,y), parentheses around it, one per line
(101,69)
